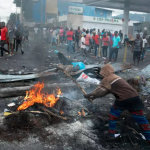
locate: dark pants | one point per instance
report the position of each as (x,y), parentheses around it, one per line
(105,51)
(112,51)
(18,43)
(77,41)
(96,47)
(126,41)
(2,48)
(137,115)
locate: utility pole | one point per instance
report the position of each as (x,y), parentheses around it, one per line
(16,13)
(21,14)
(41,11)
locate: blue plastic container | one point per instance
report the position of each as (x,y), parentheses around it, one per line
(80,64)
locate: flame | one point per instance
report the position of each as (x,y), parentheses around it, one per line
(61,112)
(79,113)
(83,113)
(36,96)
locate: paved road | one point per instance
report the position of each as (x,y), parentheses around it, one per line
(39,55)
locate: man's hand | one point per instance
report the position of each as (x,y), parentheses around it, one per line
(89,97)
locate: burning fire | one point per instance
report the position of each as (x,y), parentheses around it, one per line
(83,113)
(61,112)
(35,95)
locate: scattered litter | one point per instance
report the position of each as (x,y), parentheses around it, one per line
(84,78)
(7,113)
(143,137)
(20,72)
(136,69)
(116,135)
(56,51)
(145,101)
(80,64)
(35,69)
(11,104)
(6,110)
(11,70)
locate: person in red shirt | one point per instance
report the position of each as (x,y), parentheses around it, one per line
(96,41)
(4,38)
(70,40)
(105,40)
(87,41)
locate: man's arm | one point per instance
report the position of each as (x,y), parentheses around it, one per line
(133,46)
(97,93)
(142,46)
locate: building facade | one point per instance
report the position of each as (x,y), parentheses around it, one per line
(44,10)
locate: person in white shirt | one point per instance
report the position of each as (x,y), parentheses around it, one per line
(83,47)
(36,32)
(144,47)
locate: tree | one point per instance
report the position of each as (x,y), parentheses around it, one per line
(13,17)
(17,2)
(26,8)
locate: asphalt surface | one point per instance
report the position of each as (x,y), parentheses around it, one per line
(38,55)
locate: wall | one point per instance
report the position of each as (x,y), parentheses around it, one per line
(63,7)
(75,21)
(103,13)
(37,7)
(107,27)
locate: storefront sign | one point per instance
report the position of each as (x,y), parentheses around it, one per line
(106,20)
(75,10)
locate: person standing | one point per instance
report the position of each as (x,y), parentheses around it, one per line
(105,41)
(44,33)
(83,47)
(36,32)
(61,34)
(137,48)
(11,38)
(126,40)
(77,37)
(144,47)
(4,38)
(70,40)
(96,41)
(54,37)
(115,47)
(87,41)
(18,35)
(127,98)
(99,33)
(26,33)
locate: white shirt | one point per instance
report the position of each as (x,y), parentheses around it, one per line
(36,30)
(44,31)
(144,42)
(83,41)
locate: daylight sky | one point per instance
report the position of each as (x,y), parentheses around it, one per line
(7,7)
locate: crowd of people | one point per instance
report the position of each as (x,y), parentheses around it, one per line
(103,43)
(87,40)
(12,37)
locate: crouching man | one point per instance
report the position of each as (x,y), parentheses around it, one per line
(127,98)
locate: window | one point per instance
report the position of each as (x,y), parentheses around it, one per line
(101,13)
(108,14)
(95,12)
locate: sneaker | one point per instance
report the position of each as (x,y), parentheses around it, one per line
(6,53)
(22,52)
